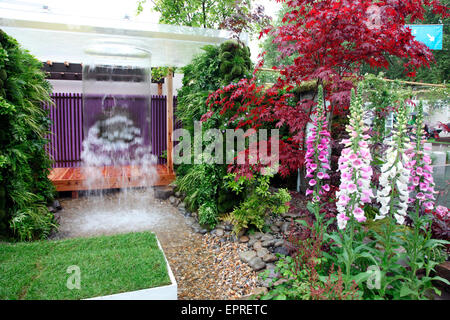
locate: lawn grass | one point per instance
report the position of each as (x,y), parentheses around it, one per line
(108,265)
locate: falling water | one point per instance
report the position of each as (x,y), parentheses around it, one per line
(116,151)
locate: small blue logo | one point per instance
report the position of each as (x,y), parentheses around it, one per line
(429,34)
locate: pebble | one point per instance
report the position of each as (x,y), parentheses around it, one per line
(266,237)
(262,252)
(257,264)
(246,256)
(268,243)
(274,228)
(270,257)
(257,245)
(244,239)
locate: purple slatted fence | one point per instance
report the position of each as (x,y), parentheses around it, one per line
(66,136)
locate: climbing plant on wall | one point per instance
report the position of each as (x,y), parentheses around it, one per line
(215,67)
(25,189)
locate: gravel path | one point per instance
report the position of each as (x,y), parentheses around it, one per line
(205,267)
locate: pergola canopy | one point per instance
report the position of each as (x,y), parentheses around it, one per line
(60,37)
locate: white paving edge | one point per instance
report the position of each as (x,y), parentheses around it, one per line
(169,292)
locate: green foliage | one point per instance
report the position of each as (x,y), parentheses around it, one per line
(24,164)
(194,13)
(203,183)
(259,201)
(235,62)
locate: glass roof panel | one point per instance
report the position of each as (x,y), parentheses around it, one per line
(59,37)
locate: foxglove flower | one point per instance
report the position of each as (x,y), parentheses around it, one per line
(395,174)
(421,177)
(354,165)
(316,158)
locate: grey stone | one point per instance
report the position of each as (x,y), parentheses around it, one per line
(270,258)
(51,209)
(262,252)
(279,223)
(182,206)
(285,227)
(163,193)
(177,194)
(293,215)
(257,264)
(268,243)
(257,245)
(266,237)
(274,228)
(228,227)
(203,231)
(172,199)
(244,239)
(56,205)
(246,256)
(256,235)
(190,221)
(219,232)
(281,250)
(251,242)
(270,266)
(278,243)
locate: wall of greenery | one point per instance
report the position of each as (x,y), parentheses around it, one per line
(203,183)
(25,189)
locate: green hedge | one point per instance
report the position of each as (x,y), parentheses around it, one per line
(25,189)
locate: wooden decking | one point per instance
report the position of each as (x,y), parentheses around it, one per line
(73,179)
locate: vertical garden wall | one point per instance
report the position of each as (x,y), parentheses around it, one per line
(24,164)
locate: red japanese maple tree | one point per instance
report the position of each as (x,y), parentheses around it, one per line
(331,39)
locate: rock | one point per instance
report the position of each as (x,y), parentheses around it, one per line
(56,205)
(293,215)
(219,232)
(278,243)
(196,227)
(246,256)
(270,258)
(202,231)
(256,235)
(177,202)
(280,281)
(256,263)
(285,227)
(51,209)
(172,199)
(177,194)
(187,214)
(443,270)
(279,223)
(270,266)
(281,250)
(251,242)
(190,221)
(274,228)
(262,252)
(258,292)
(182,206)
(257,245)
(266,237)
(268,243)
(228,227)
(244,239)
(163,193)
